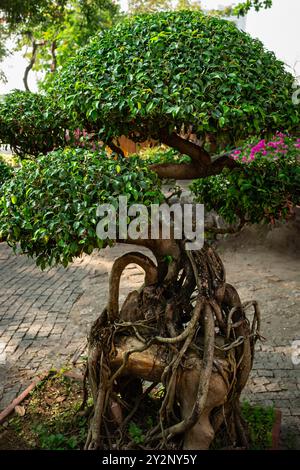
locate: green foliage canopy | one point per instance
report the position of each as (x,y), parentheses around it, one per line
(49,207)
(165,70)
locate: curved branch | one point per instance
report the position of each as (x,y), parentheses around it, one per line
(151,277)
(220,163)
(53,55)
(160,248)
(187,171)
(178,171)
(115,148)
(186,147)
(32,61)
(191,327)
(30,65)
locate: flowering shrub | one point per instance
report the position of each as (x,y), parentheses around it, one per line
(279,146)
(265,187)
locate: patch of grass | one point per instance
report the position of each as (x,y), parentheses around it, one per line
(52,419)
(136,433)
(260,421)
(260,424)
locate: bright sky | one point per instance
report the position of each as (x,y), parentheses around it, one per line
(278,28)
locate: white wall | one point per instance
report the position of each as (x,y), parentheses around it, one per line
(279,29)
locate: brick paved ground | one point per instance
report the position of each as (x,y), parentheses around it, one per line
(44,318)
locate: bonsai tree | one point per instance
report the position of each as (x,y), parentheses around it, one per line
(159,77)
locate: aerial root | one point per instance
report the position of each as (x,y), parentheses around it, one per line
(183,314)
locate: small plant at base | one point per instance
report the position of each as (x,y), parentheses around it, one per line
(136,433)
(260,422)
(54,441)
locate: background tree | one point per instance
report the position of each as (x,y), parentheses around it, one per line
(188,5)
(53,31)
(242,8)
(148,6)
(20,10)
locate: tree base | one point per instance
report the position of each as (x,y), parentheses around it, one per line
(188,332)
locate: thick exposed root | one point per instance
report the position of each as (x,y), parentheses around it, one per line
(188,331)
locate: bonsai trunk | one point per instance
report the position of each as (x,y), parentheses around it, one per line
(186,329)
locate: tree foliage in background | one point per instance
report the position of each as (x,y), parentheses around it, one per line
(18,11)
(243,8)
(148,6)
(151,6)
(53,31)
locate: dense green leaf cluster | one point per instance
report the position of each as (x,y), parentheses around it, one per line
(265,187)
(49,207)
(30,123)
(260,422)
(165,70)
(5,172)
